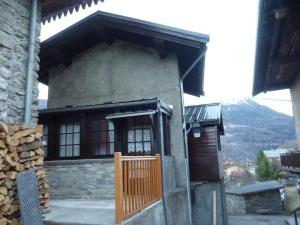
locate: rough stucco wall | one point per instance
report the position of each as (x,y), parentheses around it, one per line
(14,40)
(295,94)
(81,179)
(121,72)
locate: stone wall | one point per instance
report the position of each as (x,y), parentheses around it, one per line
(295,95)
(264,203)
(235,205)
(14,41)
(81,179)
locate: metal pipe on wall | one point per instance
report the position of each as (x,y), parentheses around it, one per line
(30,64)
(186,151)
(162,154)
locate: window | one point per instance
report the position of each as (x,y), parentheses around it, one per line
(139,136)
(45,140)
(101,137)
(69,139)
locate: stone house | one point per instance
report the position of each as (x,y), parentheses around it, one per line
(262,198)
(20,24)
(116,84)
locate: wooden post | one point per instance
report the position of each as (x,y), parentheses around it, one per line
(214,200)
(118,187)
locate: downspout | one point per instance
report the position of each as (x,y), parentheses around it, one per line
(30,64)
(186,151)
(162,156)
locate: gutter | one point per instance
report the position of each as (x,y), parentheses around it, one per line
(30,64)
(186,150)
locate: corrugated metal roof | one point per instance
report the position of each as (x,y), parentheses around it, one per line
(256,188)
(207,114)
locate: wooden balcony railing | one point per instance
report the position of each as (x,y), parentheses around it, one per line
(137,184)
(290,160)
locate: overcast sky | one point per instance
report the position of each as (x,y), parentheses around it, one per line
(231,25)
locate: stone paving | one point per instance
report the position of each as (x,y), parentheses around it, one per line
(258,220)
(75,212)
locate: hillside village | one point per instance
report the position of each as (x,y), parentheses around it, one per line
(114,142)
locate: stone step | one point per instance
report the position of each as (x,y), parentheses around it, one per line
(81,212)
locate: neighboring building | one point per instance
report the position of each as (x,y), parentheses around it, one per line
(206,163)
(277,63)
(17,17)
(261,198)
(237,175)
(274,155)
(250,165)
(116,84)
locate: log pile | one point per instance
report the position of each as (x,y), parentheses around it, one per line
(20,149)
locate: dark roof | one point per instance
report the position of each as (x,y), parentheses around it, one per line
(206,115)
(277,60)
(256,188)
(105,27)
(51,9)
(118,106)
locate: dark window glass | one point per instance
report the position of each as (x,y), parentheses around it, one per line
(139,136)
(69,139)
(45,140)
(101,137)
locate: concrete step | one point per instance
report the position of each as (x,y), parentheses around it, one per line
(81,212)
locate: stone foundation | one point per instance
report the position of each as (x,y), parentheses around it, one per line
(81,179)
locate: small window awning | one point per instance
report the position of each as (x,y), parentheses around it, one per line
(130,114)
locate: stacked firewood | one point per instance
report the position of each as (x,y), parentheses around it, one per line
(20,149)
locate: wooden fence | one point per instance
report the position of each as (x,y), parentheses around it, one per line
(137,184)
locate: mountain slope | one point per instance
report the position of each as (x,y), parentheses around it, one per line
(250,126)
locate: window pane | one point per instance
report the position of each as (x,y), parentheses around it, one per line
(62,152)
(70,128)
(138,135)
(95,149)
(103,137)
(111,148)
(147,146)
(146,135)
(62,139)
(131,136)
(62,129)
(76,127)
(69,152)
(103,149)
(69,139)
(139,147)
(131,147)
(76,150)
(76,139)
(111,137)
